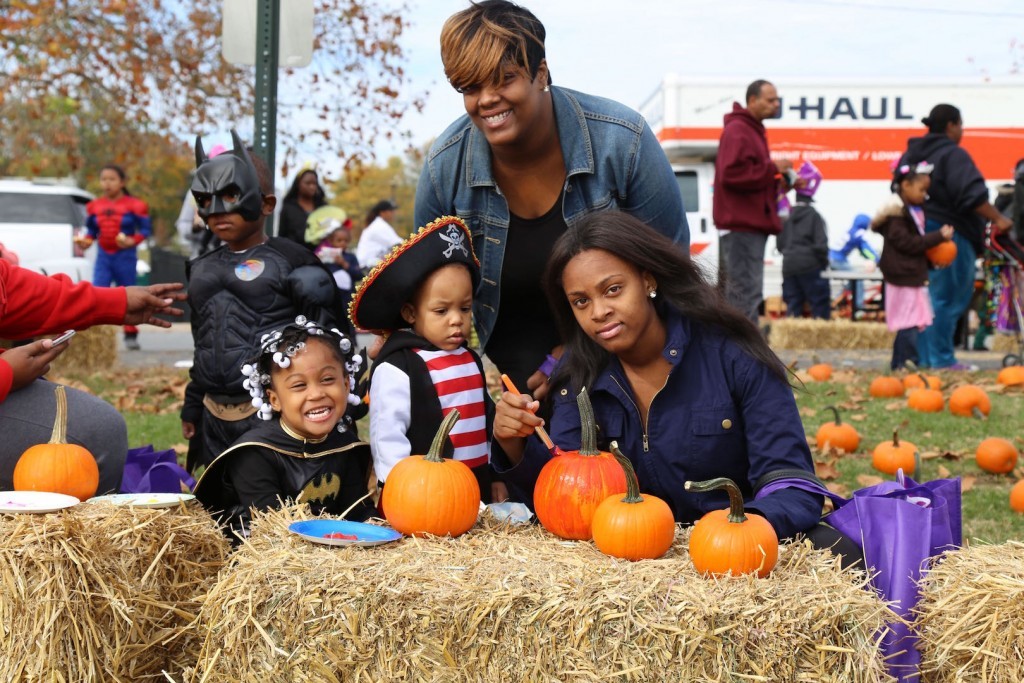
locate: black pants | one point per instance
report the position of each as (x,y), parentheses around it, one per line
(825,537)
(904,348)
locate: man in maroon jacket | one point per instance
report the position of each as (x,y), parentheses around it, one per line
(746,189)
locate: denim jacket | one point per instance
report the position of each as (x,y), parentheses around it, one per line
(612,161)
(720,414)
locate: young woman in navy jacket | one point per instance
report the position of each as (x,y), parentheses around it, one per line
(681,380)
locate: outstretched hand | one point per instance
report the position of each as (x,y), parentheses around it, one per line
(144,303)
(31,361)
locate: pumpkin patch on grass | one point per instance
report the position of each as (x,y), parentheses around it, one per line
(996,455)
(890,456)
(838,434)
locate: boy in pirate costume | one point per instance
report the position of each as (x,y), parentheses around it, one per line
(305,449)
(420,297)
(246,288)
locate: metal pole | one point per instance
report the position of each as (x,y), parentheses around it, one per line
(267,41)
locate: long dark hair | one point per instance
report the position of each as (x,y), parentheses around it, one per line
(319,199)
(681,286)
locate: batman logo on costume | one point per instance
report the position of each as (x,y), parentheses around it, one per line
(321,489)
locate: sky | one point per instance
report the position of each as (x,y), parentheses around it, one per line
(622,49)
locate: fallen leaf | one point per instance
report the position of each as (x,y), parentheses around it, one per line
(838,489)
(930,455)
(895,405)
(943,472)
(808,412)
(950,455)
(967,482)
(826,470)
(857,417)
(865,480)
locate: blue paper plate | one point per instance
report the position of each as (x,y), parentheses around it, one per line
(319,530)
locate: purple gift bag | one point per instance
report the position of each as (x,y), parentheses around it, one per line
(899,525)
(149,471)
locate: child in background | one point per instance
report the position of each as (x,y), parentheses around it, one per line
(248,287)
(421,296)
(333,252)
(305,450)
(120,222)
(904,265)
(804,246)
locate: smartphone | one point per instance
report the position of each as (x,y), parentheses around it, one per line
(64,337)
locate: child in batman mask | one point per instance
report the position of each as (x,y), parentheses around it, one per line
(248,287)
(305,449)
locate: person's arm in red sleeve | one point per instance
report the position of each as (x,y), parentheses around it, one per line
(32,304)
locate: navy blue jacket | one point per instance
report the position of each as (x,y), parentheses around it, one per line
(720,414)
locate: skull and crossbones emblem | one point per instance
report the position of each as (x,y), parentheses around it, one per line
(456,239)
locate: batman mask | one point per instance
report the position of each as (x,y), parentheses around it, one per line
(227,183)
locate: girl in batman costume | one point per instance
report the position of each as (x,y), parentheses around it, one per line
(305,449)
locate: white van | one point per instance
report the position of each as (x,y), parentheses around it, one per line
(38,220)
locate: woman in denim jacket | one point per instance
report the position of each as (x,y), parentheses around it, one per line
(526,161)
(679,378)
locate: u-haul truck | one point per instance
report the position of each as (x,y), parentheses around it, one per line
(852,131)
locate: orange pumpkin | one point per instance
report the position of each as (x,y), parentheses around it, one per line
(926,400)
(919,381)
(428,494)
(58,466)
(890,456)
(572,484)
(1017,497)
(886,386)
(942,254)
(637,527)
(1011,375)
(838,434)
(730,541)
(996,455)
(970,400)
(820,372)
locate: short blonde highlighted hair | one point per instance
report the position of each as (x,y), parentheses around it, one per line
(480,42)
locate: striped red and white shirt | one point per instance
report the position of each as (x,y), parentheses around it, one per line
(460,384)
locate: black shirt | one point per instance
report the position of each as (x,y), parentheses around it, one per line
(524,332)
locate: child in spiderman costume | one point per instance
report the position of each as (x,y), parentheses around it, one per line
(119,222)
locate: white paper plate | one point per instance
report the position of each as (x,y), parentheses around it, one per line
(144,500)
(343,532)
(35,501)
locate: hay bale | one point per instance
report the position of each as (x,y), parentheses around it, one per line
(1003,342)
(805,333)
(518,604)
(971,615)
(92,350)
(103,593)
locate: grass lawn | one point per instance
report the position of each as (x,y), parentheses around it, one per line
(151,398)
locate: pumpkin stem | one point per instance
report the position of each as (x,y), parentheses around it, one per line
(632,485)
(977,413)
(60,423)
(736,515)
(835,411)
(895,438)
(917,465)
(588,425)
(437,445)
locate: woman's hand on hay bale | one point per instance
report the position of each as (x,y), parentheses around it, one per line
(31,361)
(146,302)
(514,420)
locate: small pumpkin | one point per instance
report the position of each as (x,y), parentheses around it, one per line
(890,456)
(637,527)
(838,434)
(573,484)
(995,455)
(58,466)
(942,254)
(886,386)
(730,541)
(926,400)
(1017,497)
(428,494)
(1012,375)
(921,381)
(820,372)
(970,400)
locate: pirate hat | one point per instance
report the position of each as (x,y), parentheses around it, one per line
(378,300)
